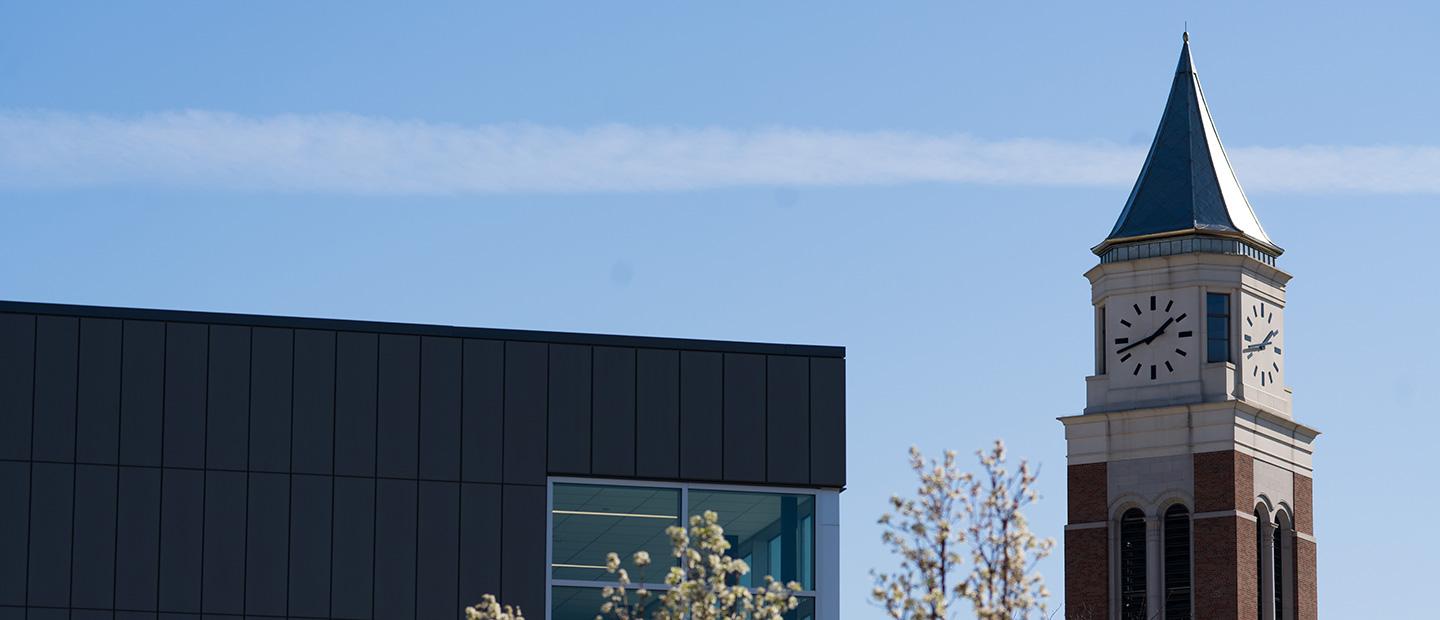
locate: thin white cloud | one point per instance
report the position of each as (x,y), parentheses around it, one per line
(364,155)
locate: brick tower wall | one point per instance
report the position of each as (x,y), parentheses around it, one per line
(1226,581)
(1087,549)
(1306,591)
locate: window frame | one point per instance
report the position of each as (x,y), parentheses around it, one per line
(1227,331)
(826,582)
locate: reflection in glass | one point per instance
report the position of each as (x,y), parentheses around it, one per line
(805,611)
(775,532)
(590,521)
(568,603)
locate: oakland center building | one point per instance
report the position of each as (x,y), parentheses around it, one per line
(177,465)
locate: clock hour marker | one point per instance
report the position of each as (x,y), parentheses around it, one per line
(1122,340)
(1181,352)
(1152,372)
(1137,369)
(1125,322)
(1262,378)
(1152,303)
(1181,317)
(1169,367)
(1271,318)
(1277,350)
(1255,371)
(1137,308)
(1247,338)
(1255,310)
(1249,322)
(1185,334)
(1125,358)
(1262,309)
(1168,304)
(1249,355)
(1275,366)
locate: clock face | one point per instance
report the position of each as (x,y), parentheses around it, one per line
(1152,338)
(1262,343)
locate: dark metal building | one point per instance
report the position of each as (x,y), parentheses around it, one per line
(158,464)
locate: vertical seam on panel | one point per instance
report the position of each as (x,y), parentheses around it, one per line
(679,413)
(419,429)
(160,509)
(460,456)
(205,468)
(549,419)
(591,416)
(119,446)
(334,422)
(290,479)
(504,401)
(249,410)
(635,412)
(30,467)
(504,409)
(765,421)
(723,418)
(548,403)
(810,420)
(460,482)
(75,466)
(249,407)
(375,480)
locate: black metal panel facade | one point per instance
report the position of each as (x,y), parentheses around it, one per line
(702,380)
(182,465)
(568,410)
(612,433)
(98,386)
(657,414)
(787,420)
(744,418)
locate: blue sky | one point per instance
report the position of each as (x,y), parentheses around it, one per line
(920,184)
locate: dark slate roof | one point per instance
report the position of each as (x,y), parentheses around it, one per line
(1187,184)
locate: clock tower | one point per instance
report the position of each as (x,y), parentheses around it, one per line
(1189,478)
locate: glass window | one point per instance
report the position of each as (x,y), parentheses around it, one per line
(766,526)
(590,521)
(1132,565)
(1277,562)
(572,603)
(1217,327)
(1177,563)
(1100,343)
(774,533)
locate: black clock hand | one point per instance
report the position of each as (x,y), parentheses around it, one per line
(1263,343)
(1148,340)
(1131,346)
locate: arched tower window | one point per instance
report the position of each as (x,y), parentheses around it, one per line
(1132,565)
(1177,563)
(1283,548)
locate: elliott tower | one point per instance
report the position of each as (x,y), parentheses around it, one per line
(1189,477)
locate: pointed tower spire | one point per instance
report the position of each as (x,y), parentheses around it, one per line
(1187,186)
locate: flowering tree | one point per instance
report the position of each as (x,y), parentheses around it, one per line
(701,587)
(963,537)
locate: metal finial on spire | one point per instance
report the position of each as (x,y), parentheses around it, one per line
(1186,35)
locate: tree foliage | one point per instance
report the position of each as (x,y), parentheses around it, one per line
(963,537)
